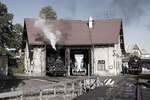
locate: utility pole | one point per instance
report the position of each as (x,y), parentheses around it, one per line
(90,33)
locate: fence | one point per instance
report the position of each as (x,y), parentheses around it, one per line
(64,90)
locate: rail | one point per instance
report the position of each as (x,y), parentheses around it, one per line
(138,91)
(126,88)
(115,90)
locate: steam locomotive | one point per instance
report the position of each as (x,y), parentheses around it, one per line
(55,66)
(135,65)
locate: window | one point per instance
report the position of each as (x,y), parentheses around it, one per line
(101,65)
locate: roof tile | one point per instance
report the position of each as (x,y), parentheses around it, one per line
(76,32)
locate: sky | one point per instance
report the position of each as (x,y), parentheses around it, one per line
(135,14)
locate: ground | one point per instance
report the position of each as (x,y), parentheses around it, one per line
(24,82)
(126,87)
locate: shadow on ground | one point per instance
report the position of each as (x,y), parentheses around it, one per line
(144,76)
(9,83)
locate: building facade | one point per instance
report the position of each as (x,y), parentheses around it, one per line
(95,47)
(136,50)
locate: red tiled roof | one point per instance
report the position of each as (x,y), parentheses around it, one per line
(76,32)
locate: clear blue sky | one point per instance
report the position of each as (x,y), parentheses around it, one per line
(135,14)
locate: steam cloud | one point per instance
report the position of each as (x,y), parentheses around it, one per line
(48,31)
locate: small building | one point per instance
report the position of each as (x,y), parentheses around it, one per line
(145,54)
(3,65)
(145,65)
(133,50)
(136,50)
(99,43)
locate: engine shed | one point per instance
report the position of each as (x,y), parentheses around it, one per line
(85,48)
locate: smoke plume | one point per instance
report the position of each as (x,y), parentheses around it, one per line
(52,35)
(129,9)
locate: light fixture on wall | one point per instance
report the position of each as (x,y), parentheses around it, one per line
(114,52)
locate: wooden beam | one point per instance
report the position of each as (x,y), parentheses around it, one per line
(67,60)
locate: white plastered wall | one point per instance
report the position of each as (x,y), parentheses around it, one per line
(38,66)
(103,53)
(113,59)
(35,65)
(27,59)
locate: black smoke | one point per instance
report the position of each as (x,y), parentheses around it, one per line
(129,10)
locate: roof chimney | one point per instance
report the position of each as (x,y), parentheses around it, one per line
(90,22)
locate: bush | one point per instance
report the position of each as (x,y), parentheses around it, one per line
(18,67)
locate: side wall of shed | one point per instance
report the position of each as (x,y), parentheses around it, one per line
(35,60)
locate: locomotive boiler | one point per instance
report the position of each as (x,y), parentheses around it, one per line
(135,65)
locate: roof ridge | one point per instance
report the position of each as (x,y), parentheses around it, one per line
(107,19)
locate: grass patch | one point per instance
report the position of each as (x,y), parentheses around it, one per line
(14,69)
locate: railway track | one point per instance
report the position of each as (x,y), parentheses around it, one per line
(126,89)
(133,87)
(143,87)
